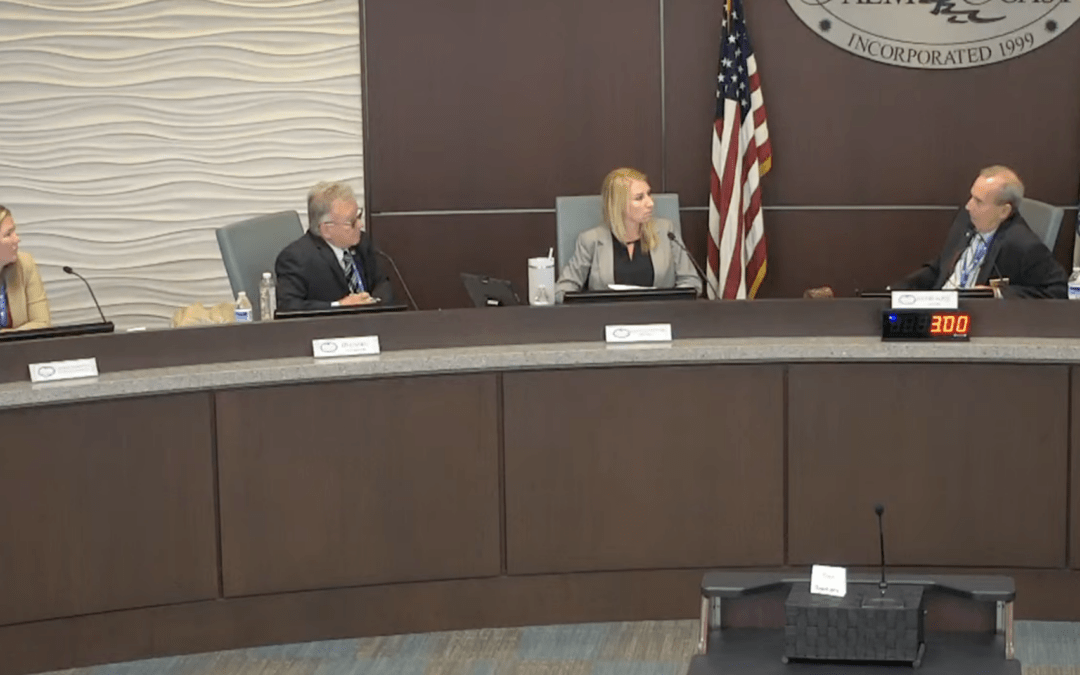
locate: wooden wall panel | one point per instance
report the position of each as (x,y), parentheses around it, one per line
(390,609)
(847,250)
(691,55)
(100,515)
(353,483)
(963,456)
(638,468)
(433,250)
(847,130)
(487,104)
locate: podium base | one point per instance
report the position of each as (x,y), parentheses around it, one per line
(756,651)
(863,626)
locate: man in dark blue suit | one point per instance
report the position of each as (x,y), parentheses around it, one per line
(990,240)
(333,264)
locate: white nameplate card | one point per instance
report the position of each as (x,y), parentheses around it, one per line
(346,346)
(63,370)
(646,332)
(826,580)
(925,300)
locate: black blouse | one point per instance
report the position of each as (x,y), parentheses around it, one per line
(635,272)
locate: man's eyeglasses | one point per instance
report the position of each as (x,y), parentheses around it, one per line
(356,222)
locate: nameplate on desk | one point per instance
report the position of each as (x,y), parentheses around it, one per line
(63,370)
(646,332)
(925,299)
(345,346)
(827,580)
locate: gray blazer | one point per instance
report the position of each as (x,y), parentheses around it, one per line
(593,262)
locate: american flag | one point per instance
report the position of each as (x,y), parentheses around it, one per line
(741,155)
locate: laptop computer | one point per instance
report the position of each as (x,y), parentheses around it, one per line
(58,331)
(487,291)
(636,295)
(962,293)
(374,308)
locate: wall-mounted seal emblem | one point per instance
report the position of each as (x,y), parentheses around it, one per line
(938,34)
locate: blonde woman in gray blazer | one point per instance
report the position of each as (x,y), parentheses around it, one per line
(629,225)
(24,305)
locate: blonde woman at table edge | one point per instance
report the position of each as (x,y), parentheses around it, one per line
(630,247)
(23,304)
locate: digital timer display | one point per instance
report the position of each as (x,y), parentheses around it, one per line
(924,324)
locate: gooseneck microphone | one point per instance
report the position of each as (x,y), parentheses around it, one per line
(400,278)
(704,277)
(68,270)
(879,509)
(1000,278)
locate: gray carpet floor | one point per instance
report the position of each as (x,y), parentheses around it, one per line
(638,648)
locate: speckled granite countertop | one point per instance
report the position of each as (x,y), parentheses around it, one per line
(548,356)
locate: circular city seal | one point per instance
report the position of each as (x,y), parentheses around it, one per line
(938,34)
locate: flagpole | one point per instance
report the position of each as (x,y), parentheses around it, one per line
(712,277)
(1076,239)
(741,154)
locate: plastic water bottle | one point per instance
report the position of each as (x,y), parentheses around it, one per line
(1074,284)
(267,297)
(243,308)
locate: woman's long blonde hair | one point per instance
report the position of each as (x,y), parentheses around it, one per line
(615,193)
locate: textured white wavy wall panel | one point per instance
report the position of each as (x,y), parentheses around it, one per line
(131,130)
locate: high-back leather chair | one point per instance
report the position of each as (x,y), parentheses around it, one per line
(1043,219)
(574,215)
(250,247)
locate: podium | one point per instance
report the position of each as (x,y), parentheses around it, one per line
(969,626)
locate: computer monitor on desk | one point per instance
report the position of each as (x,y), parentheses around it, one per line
(962,293)
(69,330)
(636,295)
(485,291)
(373,308)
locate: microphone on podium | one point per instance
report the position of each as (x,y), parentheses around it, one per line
(884,600)
(879,509)
(704,277)
(68,270)
(400,278)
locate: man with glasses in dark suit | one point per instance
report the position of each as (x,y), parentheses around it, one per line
(333,264)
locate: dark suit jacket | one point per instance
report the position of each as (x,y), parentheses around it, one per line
(309,276)
(1015,253)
